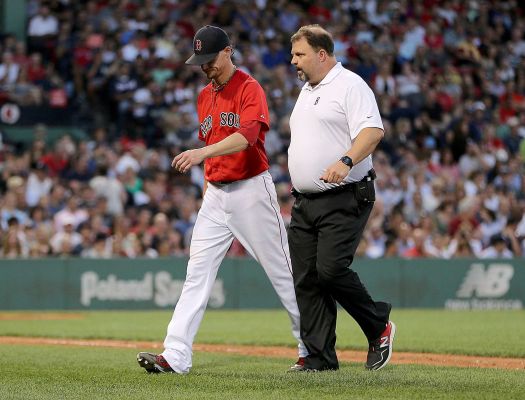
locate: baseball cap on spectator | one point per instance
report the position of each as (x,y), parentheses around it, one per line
(125,162)
(39,166)
(15,182)
(478,106)
(100,237)
(502,155)
(68,220)
(207,43)
(513,121)
(13,221)
(497,238)
(394,5)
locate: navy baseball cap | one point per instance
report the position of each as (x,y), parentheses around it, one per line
(207,43)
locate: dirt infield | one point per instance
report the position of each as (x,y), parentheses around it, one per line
(33,316)
(284,352)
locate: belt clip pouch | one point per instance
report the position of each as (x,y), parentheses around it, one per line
(365,192)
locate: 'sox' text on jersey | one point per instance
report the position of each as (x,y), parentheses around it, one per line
(206,125)
(230,119)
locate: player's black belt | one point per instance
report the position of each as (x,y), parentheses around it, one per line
(370,176)
(221,183)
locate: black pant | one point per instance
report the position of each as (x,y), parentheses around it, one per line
(323,236)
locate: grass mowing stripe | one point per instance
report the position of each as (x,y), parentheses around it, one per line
(483,333)
(42,372)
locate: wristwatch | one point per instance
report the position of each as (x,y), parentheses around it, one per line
(347,161)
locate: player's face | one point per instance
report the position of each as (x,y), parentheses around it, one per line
(215,67)
(211,68)
(305,59)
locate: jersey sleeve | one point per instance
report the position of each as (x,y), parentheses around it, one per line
(250,130)
(254,106)
(361,109)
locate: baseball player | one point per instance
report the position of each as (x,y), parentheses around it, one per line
(239,198)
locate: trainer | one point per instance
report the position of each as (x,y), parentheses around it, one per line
(335,126)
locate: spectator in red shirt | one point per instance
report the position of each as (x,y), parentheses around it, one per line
(36,72)
(418,249)
(56,161)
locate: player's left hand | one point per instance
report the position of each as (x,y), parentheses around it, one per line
(185,160)
(335,173)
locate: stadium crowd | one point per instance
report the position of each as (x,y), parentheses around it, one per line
(449,76)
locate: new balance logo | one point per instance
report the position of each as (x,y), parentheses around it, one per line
(384,341)
(494,282)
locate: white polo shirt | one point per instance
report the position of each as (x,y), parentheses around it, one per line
(325,121)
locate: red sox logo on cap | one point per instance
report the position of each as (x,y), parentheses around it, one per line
(207,43)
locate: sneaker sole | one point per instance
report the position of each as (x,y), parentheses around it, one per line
(392,334)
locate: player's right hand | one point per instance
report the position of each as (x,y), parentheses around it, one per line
(185,160)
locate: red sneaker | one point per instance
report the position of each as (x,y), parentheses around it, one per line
(380,350)
(299,365)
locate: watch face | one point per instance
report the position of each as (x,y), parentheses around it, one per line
(347,160)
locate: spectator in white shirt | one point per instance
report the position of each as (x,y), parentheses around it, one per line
(413,38)
(132,50)
(67,241)
(110,188)
(497,249)
(9,71)
(38,184)
(101,248)
(42,33)
(385,82)
(70,214)
(43,24)
(10,208)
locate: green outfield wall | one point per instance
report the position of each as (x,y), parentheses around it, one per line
(13,18)
(73,284)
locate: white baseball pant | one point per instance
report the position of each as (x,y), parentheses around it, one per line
(247,210)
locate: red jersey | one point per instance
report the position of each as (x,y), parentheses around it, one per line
(221,113)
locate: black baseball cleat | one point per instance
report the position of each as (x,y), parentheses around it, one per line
(380,350)
(153,363)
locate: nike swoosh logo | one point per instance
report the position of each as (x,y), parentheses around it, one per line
(369,116)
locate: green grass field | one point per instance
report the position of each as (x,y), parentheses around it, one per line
(68,372)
